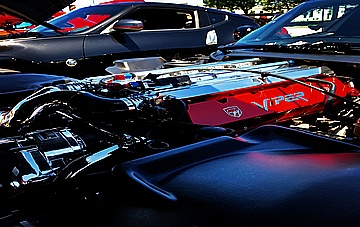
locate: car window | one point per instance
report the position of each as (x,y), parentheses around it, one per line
(81,19)
(327,21)
(84,22)
(216,17)
(155,18)
(316,20)
(345,27)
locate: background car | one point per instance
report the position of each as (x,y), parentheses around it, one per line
(85,41)
(319,31)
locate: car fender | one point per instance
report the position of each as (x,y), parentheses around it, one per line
(47,49)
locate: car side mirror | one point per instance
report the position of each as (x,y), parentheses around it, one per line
(242,31)
(128,25)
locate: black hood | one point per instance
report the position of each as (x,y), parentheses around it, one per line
(34,11)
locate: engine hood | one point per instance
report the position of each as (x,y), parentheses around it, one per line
(35,12)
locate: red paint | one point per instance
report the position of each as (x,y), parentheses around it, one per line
(275,102)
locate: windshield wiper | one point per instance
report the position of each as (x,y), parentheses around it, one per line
(319,47)
(53,27)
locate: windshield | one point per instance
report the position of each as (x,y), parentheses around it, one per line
(310,21)
(81,19)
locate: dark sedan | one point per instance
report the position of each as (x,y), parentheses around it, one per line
(85,41)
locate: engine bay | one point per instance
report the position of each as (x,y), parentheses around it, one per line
(69,136)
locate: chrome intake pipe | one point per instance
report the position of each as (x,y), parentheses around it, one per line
(76,100)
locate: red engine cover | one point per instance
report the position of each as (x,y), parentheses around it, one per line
(266,103)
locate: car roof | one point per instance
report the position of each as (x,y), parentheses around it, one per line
(312,2)
(179,5)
